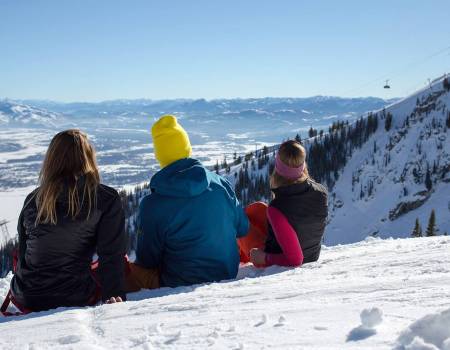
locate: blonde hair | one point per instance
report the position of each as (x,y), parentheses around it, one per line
(69,156)
(293,154)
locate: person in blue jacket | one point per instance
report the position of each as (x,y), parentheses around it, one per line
(188,225)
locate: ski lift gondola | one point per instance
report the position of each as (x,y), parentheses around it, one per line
(387,86)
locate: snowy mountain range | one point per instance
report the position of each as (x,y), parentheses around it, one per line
(18,114)
(317,105)
(120,133)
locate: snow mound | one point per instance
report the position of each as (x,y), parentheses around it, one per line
(428,333)
(370,318)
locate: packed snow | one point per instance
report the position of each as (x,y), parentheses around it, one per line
(376,294)
(429,333)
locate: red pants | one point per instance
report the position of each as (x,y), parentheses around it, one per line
(257,234)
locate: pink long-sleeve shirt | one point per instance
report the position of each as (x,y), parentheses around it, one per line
(287,239)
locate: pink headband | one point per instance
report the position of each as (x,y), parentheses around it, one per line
(286,171)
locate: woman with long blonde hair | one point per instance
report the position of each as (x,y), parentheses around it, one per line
(64,222)
(288,231)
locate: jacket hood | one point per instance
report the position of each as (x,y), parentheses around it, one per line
(184,178)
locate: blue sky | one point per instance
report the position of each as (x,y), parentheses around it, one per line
(84,50)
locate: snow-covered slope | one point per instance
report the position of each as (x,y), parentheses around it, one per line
(369,295)
(382,189)
(17,114)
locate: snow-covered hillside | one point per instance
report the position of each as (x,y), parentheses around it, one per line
(369,295)
(388,175)
(17,114)
(383,187)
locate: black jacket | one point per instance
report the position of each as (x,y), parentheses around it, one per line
(54,260)
(305,206)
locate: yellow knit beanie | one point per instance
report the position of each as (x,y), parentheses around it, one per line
(170,141)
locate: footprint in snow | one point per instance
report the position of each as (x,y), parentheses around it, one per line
(231,329)
(281,321)
(262,322)
(173,338)
(214,334)
(69,339)
(140,340)
(155,329)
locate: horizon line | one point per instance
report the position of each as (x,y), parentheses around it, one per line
(191,99)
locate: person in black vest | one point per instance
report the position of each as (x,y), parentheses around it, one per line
(63,223)
(289,231)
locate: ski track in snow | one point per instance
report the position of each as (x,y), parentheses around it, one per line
(359,296)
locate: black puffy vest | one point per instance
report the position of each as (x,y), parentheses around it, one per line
(305,206)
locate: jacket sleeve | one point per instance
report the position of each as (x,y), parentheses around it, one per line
(150,242)
(287,238)
(22,241)
(111,249)
(21,231)
(243,224)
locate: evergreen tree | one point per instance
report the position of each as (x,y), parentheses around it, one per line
(434,167)
(224,162)
(312,132)
(388,121)
(428,182)
(417,231)
(446,84)
(298,138)
(431,228)
(216,167)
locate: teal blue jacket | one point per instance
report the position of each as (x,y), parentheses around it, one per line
(188,225)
